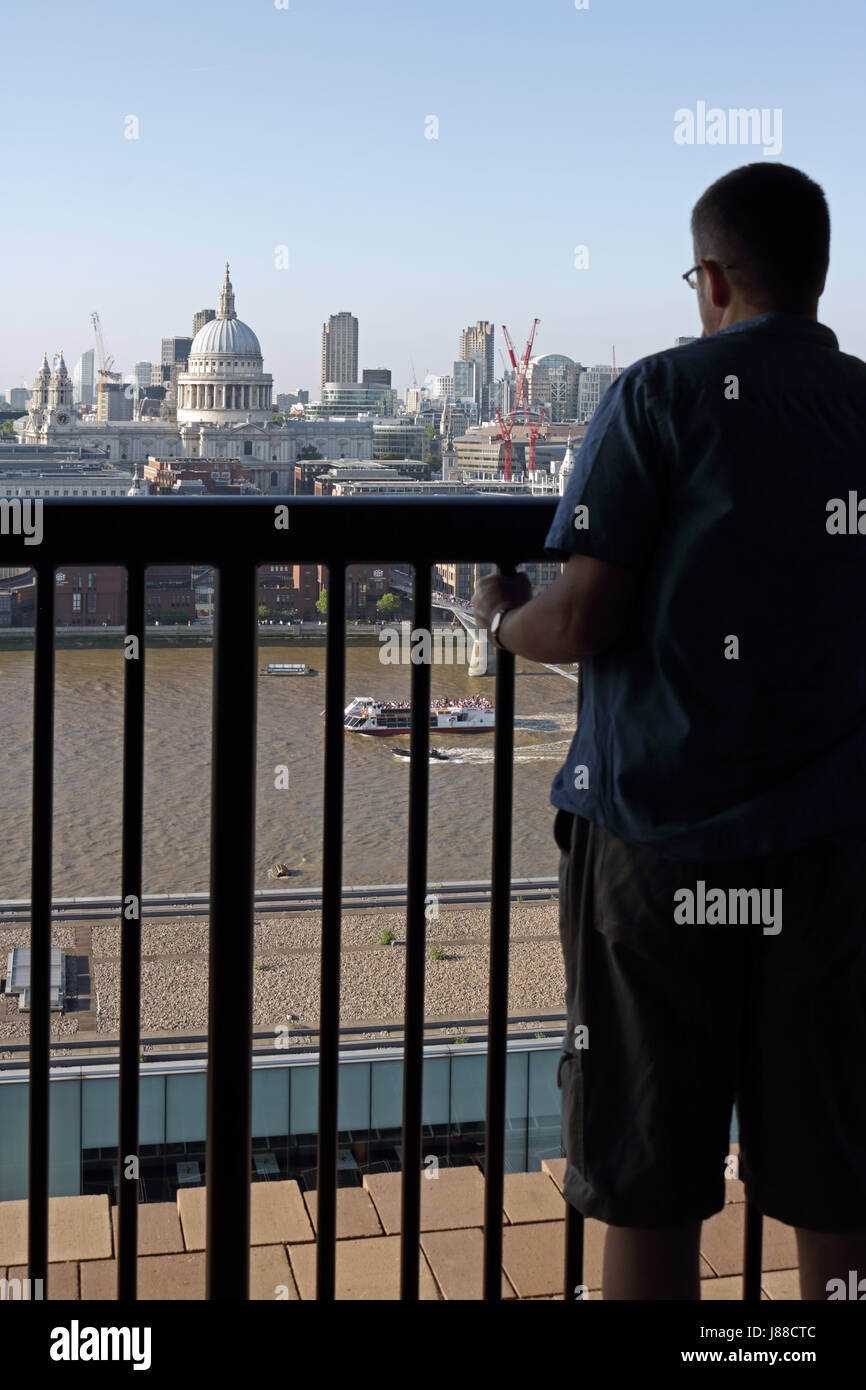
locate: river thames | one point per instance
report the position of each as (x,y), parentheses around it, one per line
(88,744)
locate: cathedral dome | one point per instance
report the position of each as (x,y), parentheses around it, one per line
(225,336)
(225,382)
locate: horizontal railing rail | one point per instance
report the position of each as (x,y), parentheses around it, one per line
(360,895)
(235,537)
(300,1038)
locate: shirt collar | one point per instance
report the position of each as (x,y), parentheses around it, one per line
(783,326)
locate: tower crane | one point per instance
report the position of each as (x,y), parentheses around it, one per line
(532,422)
(105,363)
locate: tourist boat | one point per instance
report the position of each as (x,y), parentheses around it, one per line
(288,668)
(364,715)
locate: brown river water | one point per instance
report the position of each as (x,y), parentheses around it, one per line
(88,742)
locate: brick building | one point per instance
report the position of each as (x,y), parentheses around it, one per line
(215,475)
(87,597)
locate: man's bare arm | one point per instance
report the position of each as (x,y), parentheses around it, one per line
(581,614)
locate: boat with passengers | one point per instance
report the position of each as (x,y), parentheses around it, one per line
(473,714)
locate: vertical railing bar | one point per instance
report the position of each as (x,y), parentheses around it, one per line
(574,1221)
(332,906)
(40,931)
(130,933)
(413,1027)
(574,1227)
(753,1254)
(497,1028)
(229,1072)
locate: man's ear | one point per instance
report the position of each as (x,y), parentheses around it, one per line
(718,283)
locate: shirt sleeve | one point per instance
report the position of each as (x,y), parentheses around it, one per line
(612,504)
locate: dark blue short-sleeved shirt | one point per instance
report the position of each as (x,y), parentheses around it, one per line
(730,717)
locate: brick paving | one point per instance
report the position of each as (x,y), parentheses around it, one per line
(82,1242)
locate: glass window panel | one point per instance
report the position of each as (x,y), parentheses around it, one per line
(185,1107)
(13,1141)
(304,1101)
(64,1139)
(468,1089)
(99,1112)
(270,1100)
(386,1106)
(151,1110)
(437,1085)
(353,1110)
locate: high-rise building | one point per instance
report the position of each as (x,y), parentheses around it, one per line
(340,349)
(303,395)
(175,353)
(17,397)
(502,393)
(466,376)
(141,373)
(201,318)
(114,402)
(376,376)
(442,388)
(476,345)
(84,379)
(594,381)
(552,383)
(175,350)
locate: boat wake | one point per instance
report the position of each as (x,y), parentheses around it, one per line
(523,753)
(545,723)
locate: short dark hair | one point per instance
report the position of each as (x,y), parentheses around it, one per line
(772,223)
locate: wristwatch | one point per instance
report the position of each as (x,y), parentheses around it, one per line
(496,623)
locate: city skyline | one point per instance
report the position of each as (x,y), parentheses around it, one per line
(393,189)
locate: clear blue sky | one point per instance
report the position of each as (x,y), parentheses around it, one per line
(305,127)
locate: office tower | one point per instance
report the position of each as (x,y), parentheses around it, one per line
(175,353)
(442,388)
(201,318)
(594,381)
(466,380)
(84,379)
(113,402)
(141,373)
(376,376)
(17,397)
(552,383)
(175,350)
(476,345)
(303,396)
(340,349)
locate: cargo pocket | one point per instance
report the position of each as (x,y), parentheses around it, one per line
(569,1079)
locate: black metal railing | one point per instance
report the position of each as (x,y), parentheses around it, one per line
(237,537)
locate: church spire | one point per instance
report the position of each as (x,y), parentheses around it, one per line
(227,299)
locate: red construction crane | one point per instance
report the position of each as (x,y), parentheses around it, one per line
(520,412)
